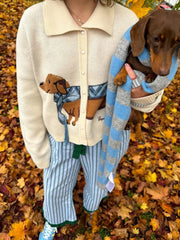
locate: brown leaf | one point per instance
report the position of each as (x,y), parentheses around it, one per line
(158,192)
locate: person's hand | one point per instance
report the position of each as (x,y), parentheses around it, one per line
(136,92)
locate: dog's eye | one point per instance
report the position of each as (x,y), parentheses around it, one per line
(156,39)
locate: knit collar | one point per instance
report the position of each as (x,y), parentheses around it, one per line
(57,19)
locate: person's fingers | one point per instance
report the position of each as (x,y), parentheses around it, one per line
(138,92)
(130,71)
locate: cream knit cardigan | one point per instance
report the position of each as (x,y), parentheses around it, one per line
(50,42)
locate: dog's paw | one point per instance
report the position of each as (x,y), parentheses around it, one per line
(121,77)
(150,78)
(119,80)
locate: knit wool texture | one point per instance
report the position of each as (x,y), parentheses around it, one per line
(118,108)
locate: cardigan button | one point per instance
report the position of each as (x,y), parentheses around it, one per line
(82,52)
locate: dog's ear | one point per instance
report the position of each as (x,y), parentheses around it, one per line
(62,85)
(138,36)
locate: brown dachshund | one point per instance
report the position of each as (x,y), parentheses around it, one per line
(159,32)
(71,97)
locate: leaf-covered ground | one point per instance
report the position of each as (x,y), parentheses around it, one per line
(146,201)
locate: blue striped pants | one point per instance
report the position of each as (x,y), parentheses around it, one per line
(60,179)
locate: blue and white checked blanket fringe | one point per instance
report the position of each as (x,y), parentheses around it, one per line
(118,109)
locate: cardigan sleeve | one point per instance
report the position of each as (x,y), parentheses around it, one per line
(30,103)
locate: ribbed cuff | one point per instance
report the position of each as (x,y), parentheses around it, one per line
(60,224)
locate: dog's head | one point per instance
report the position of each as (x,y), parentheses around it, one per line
(54,84)
(160,33)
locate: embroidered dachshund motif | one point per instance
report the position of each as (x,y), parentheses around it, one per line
(68,97)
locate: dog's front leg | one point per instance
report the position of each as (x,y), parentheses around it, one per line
(75,120)
(121,77)
(69,119)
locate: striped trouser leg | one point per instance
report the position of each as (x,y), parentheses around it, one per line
(59,181)
(92,194)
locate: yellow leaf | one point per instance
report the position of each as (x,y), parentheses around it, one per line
(137,7)
(174,139)
(9,84)
(151,177)
(146,162)
(154,223)
(17,231)
(141,146)
(12,69)
(21,182)
(176,186)
(168,133)
(3,146)
(174,110)
(178,211)
(144,206)
(6,131)
(107,238)
(169,117)
(164,98)
(135,230)
(145,116)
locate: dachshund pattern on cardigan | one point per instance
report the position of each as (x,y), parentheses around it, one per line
(68,98)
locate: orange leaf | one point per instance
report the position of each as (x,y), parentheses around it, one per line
(168,133)
(3,146)
(166,207)
(154,223)
(17,231)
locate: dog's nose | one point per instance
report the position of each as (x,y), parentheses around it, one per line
(163,71)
